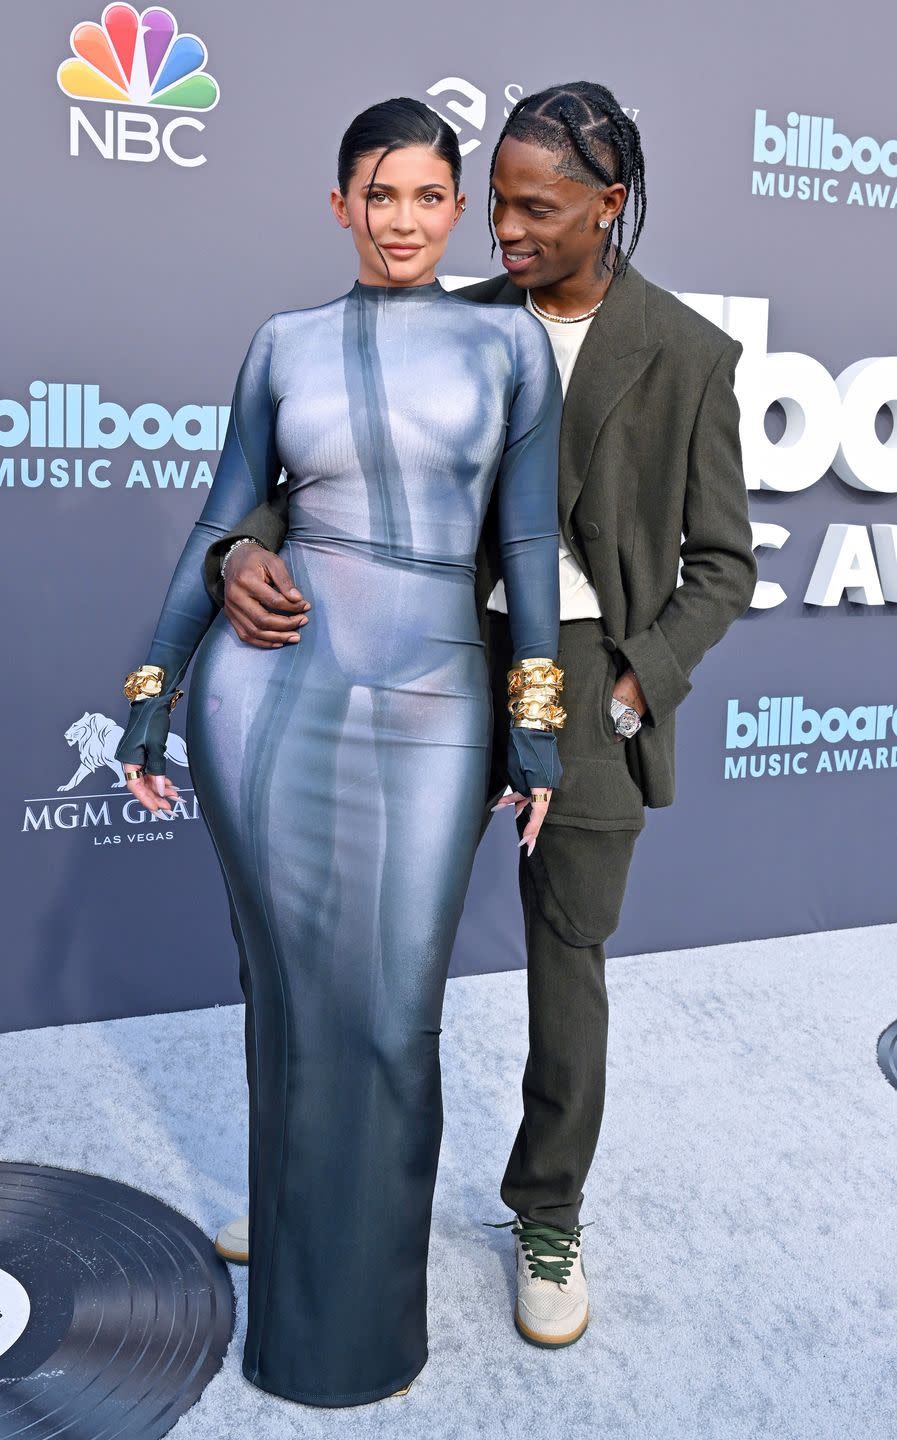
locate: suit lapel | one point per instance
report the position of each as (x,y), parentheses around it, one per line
(616,350)
(508,293)
(614,353)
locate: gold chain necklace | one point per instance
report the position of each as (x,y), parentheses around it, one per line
(563,319)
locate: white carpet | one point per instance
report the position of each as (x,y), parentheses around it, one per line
(744,1194)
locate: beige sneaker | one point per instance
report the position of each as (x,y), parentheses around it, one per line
(552,1295)
(232,1241)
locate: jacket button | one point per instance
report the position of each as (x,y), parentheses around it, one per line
(609,643)
(591,529)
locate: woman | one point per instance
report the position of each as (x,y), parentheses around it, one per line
(343,779)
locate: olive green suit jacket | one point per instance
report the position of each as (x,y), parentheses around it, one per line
(650,475)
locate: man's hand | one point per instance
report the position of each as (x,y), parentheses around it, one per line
(627,690)
(257,583)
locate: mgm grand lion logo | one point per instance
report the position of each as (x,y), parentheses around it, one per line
(96,737)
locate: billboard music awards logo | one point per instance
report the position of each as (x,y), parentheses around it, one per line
(72,417)
(784,736)
(807,158)
(139,60)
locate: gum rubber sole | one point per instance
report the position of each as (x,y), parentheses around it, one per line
(235,1257)
(557,1343)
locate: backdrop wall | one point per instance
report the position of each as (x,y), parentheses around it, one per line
(150,226)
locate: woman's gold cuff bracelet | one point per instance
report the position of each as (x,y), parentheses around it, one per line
(144,682)
(534,672)
(533,688)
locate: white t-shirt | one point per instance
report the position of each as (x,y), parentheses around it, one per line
(578,598)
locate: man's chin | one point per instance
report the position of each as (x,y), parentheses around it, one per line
(529,279)
(525,281)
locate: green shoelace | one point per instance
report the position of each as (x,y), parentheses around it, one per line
(549,1250)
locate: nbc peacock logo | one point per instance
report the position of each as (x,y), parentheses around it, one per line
(137,59)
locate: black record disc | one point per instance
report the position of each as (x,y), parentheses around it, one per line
(887,1053)
(115,1311)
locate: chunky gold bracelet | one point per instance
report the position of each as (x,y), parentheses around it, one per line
(537,714)
(533,688)
(534,672)
(144,682)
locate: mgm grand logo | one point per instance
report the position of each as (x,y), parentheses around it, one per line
(115,816)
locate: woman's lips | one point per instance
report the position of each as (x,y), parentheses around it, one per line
(515,266)
(402,249)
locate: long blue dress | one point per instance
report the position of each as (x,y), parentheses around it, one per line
(343,781)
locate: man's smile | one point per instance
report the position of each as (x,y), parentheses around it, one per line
(516,260)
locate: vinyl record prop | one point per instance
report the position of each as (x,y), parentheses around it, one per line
(887,1053)
(115,1311)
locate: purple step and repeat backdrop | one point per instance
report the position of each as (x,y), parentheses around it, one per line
(166,178)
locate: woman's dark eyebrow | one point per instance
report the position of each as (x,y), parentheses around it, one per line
(381,185)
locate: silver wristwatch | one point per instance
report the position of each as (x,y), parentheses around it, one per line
(626,720)
(244,540)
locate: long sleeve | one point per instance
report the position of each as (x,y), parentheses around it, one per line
(528,495)
(528,533)
(247,473)
(718,566)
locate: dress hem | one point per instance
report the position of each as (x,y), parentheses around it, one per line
(358,1397)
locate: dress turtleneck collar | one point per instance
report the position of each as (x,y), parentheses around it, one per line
(400,293)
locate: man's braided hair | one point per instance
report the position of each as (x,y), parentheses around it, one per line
(596,143)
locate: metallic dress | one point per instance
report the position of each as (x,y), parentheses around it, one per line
(343,781)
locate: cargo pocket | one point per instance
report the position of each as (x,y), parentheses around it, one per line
(578,879)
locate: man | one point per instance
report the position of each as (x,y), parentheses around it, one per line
(649,476)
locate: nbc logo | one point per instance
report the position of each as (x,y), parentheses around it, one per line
(137,59)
